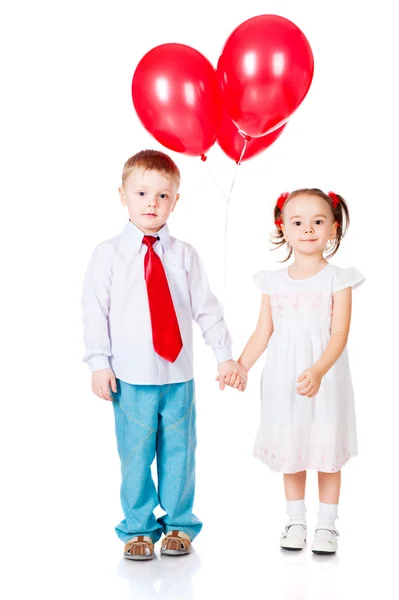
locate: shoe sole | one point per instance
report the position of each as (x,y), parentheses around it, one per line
(175,552)
(323,552)
(295,549)
(138,557)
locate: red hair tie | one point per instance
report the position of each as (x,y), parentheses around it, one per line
(280,203)
(281,200)
(334,198)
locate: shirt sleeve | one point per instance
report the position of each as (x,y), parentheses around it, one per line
(345,278)
(262,281)
(95,306)
(206,310)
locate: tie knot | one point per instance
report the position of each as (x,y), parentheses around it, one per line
(149,240)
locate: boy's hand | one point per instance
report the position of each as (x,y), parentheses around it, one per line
(231,373)
(309,381)
(101,381)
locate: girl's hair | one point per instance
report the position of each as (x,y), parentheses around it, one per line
(340,213)
(152,160)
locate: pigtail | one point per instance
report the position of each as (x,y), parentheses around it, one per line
(278,239)
(340,211)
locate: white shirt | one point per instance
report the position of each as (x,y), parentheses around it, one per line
(116,315)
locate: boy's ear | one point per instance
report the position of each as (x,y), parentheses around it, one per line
(175,202)
(122,195)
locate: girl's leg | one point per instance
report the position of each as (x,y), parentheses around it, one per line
(329,487)
(294,485)
(325,541)
(294,535)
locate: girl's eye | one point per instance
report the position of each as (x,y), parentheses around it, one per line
(319,221)
(297,223)
(140,193)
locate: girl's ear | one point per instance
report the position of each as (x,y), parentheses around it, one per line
(333,233)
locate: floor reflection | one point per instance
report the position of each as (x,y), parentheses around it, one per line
(162,577)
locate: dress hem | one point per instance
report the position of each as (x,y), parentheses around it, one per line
(303,467)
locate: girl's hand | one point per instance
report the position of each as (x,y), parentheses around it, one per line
(235,381)
(233,374)
(101,381)
(309,381)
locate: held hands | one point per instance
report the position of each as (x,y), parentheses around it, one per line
(101,381)
(309,382)
(233,374)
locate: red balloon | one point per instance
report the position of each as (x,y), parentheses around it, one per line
(176,96)
(232,142)
(265,71)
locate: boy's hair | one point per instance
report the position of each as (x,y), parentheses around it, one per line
(340,213)
(152,160)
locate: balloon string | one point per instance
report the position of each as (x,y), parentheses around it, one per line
(216,183)
(226,222)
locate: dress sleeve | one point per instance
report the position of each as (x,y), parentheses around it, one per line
(262,281)
(345,278)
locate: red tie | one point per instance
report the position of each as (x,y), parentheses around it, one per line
(165,327)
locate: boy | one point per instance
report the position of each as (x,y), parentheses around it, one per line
(141,292)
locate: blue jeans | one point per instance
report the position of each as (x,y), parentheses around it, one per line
(156,420)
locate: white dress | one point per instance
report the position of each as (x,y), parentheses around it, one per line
(298,433)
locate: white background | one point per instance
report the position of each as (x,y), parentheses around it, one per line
(67,126)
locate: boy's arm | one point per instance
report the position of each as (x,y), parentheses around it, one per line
(95,305)
(206,310)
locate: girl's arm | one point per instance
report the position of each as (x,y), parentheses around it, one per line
(310,379)
(259,340)
(341,319)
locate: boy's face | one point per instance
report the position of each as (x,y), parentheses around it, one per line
(150,197)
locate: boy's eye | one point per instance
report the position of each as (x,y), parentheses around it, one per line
(163,196)
(140,193)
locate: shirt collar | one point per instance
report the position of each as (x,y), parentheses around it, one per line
(134,236)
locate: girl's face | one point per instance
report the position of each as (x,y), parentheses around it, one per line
(308,224)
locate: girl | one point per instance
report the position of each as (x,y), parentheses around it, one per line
(307,409)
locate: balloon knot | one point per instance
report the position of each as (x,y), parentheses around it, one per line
(203,157)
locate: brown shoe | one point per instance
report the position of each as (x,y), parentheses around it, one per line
(139,548)
(176,543)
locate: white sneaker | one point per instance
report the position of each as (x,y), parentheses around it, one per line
(293,536)
(325,540)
